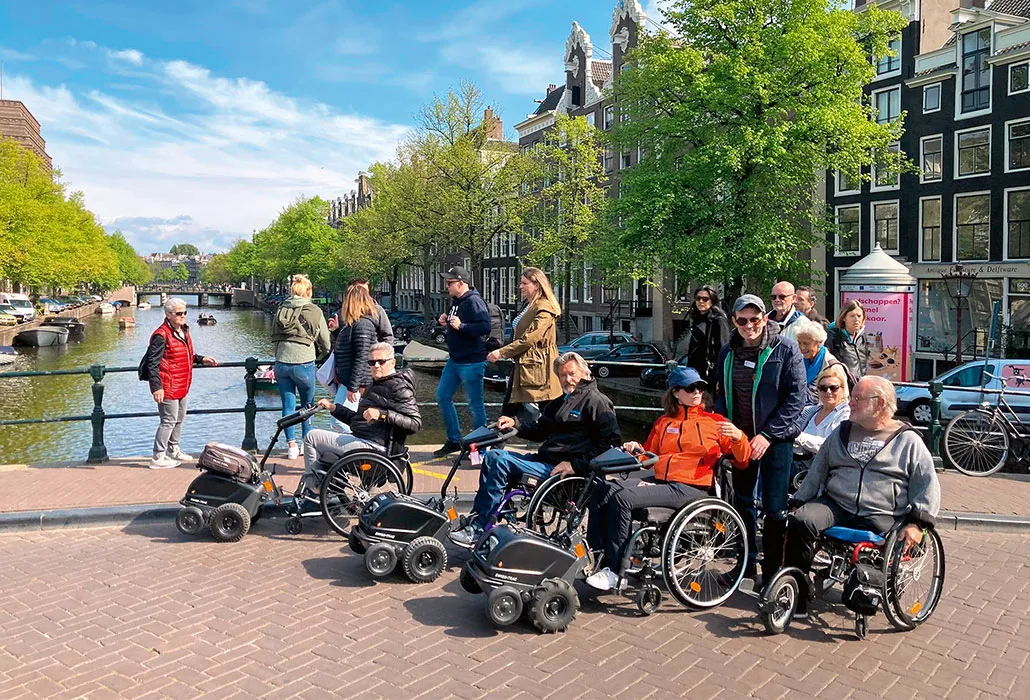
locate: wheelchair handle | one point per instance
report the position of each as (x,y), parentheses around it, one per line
(298,417)
(650,460)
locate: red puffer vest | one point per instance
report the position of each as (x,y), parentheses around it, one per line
(177,364)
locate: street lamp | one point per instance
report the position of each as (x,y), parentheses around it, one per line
(611,293)
(960,286)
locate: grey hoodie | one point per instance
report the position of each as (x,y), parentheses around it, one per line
(299,352)
(899,480)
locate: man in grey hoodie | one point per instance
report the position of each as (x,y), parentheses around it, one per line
(871,473)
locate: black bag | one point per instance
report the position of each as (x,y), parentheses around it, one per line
(495,338)
(225,459)
(863,590)
(143,371)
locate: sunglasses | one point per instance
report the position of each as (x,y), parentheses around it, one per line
(379,363)
(753,321)
(180,314)
(781,297)
(702,298)
(692,388)
(829,389)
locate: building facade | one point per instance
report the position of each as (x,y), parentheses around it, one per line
(17,122)
(961,78)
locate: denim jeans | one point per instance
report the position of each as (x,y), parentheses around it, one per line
(470,376)
(292,380)
(774,468)
(341,398)
(493,475)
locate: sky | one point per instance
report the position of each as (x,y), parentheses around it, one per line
(197,121)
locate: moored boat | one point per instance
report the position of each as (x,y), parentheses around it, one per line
(76,328)
(144,306)
(105,308)
(264,378)
(42,336)
(207,320)
(7,354)
(126,321)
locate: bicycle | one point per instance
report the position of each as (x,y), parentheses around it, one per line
(978,442)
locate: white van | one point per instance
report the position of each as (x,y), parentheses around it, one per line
(23,308)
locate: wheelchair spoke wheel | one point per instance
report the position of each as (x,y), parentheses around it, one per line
(351,483)
(913,580)
(551,507)
(703,554)
(976,443)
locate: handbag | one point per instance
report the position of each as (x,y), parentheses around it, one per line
(326,374)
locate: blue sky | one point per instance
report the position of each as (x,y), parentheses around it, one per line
(197,121)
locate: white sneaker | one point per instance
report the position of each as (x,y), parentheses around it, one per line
(180,456)
(603,580)
(292,451)
(466,536)
(163,462)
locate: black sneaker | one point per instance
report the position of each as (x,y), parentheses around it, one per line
(449,447)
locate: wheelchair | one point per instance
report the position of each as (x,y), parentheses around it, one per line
(873,570)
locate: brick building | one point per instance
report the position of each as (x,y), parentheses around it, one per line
(17,122)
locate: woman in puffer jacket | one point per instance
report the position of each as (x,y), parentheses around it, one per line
(356,337)
(688,441)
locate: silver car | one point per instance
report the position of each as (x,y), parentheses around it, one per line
(590,345)
(914,401)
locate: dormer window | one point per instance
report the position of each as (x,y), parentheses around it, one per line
(976,73)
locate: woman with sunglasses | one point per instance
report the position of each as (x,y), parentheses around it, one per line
(822,419)
(688,441)
(356,336)
(709,331)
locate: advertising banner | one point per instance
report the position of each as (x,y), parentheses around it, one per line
(889,322)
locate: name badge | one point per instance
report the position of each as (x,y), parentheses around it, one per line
(749,364)
(574,414)
(673,430)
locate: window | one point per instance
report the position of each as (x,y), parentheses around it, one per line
(1017,228)
(973,226)
(1018,146)
(512,244)
(627,159)
(1019,77)
(930,229)
(974,152)
(640,153)
(590,118)
(931,98)
(887,175)
(609,160)
(609,116)
(849,220)
(890,64)
(588,289)
(887,104)
(976,73)
(931,148)
(513,287)
(885,226)
(848,183)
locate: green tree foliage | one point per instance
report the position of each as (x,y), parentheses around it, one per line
(131,268)
(217,271)
(184,249)
(738,117)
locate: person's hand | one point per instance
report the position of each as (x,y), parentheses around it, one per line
(562,469)
(159,395)
(493,356)
(371,414)
(442,319)
(727,429)
(210,361)
(632,447)
(326,404)
(759,444)
(455,322)
(505,423)
(911,535)
(333,323)
(352,396)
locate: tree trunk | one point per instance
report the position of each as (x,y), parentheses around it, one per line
(393,287)
(427,270)
(566,295)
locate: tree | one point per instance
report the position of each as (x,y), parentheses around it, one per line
(737,119)
(217,271)
(131,268)
(184,249)
(181,273)
(571,200)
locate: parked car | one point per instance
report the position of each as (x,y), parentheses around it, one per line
(51,305)
(23,308)
(72,302)
(914,401)
(591,344)
(613,362)
(7,315)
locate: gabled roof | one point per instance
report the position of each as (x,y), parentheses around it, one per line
(600,72)
(551,101)
(1020,8)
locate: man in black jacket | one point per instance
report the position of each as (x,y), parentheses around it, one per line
(573,428)
(387,407)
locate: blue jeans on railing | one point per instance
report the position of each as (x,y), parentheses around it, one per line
(293,379)
(470,376)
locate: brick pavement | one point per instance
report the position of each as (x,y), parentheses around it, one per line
(145,612)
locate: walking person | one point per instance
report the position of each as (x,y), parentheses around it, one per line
(301,335)
(356,336)
(468,324)
(846,339)
(784,312)
(709,331)
(761,388)
(170,362)
(534,345)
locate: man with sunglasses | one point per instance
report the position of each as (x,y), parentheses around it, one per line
(388,409)
(169,363)
(784,310)
(761,387)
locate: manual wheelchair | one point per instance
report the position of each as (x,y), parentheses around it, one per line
(875,573)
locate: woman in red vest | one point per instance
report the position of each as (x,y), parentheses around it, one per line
(170,361)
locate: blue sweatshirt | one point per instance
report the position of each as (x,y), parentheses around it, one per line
(468,343)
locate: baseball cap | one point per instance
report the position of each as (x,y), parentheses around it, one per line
(748,300)
(685,376)
(457,273)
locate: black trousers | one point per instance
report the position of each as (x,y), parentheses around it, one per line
(806,524)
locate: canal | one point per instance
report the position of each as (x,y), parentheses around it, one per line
(239,333)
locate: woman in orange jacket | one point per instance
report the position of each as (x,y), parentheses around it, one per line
(688,441)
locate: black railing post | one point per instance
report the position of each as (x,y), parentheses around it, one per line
(934,433)
(98,451)
(250,408)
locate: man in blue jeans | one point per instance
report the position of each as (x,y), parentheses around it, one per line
(574,428)
(468,324)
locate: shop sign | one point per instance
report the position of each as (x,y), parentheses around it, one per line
(990,269)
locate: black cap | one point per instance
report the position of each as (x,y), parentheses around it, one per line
(458,273)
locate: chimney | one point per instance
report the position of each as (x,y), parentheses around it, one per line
(492,124)
(551,88)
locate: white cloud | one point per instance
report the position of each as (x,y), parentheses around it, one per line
(129,55)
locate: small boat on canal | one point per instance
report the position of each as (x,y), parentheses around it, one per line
(144,306)
(42,337)
(7,355)
(264,378)
(106,309)
(126,322)
(207,320)
(76,328)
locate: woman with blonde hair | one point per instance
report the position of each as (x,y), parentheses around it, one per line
(847,339)
(533,346)
(301,336)
(821,420)
(357,335)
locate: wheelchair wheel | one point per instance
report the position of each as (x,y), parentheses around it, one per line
(424,560)
(190,520)
(503,606)
(352,482)
(976,443)
(549,511)
(782,600)
(649,599)
(380,560)
(554,606)
(230,522)
(914,581)
(703,553)
(468,581)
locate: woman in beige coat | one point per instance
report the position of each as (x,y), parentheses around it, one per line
(533,347)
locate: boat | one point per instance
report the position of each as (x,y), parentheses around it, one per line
(264,378)
(144,306)
(207,320)
(105,308)
(42,336)
(76,328)
(7,354)
(126,321)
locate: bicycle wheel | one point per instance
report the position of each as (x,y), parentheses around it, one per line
(550,508)
(352,482)
(976,443)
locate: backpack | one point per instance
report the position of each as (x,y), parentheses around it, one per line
(294,324)
(143,371)
(495,338)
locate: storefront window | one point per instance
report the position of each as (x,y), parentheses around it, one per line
(936,320)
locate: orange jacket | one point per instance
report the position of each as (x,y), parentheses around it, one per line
(688,446)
